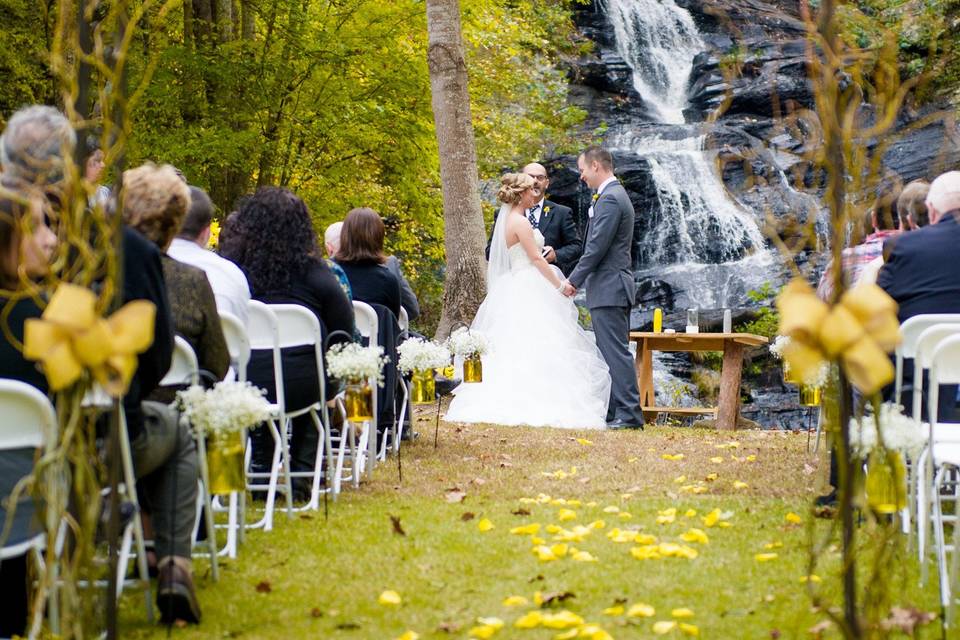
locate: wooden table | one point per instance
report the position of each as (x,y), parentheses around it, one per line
(731,344)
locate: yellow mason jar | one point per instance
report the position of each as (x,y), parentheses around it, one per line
(225,462)
(358,398)
(473,369)
(810,395)
(424,387)
(886,482)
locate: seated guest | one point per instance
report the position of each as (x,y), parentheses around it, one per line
(33,147)
(92,172)
(361,255)
(276,247)
(23,257)
(155,201)
(912,205)
(331,241)
(230,288)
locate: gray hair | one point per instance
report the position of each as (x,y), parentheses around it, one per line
(331,236)
(35,143)
(944,192)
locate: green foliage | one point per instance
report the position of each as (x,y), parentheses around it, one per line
(766,320)
(331,99)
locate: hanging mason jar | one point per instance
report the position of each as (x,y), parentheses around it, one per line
(358,399)
(225,462)
(788,376)
(424,388)
(473,368)
(810,395)
(886,482)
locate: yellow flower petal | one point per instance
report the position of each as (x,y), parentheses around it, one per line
(553,528)
(597,524)
(680,479)
(644,539)
(793,518)
(566,514)
(408,635)
(811,578)
(584,442)
(641,610)
(690,513)
(484,525)
(567,635)
(646,552)
(623,515)
(664,626)
(751,458)
(716,459)
(616,610)
(583,556)
(689,629)
(682,612)
(765,557)
(526,530)
(559,550)
(773,545)
(740,485)
(515,601)
(611,509)
(672,456)
(711,518)
(695,535)
(530,620)
(562,620)
(482,632)
(544,554)
(491,622)
(391,598)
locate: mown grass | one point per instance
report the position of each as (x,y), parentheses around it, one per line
(312,578)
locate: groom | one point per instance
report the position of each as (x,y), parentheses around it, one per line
(604,268)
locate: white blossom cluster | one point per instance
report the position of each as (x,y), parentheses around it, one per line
(466,343)
(779,344)
(353,361)
(417,353)
(228,406)
(900,433)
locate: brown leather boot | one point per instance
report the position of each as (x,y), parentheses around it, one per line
(176,597)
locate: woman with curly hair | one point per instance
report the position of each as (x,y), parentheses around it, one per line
(275,245)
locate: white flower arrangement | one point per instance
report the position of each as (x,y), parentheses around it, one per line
(227,407)
(353,361)
(900,433)
(466,343)
(778,345)
(417,353)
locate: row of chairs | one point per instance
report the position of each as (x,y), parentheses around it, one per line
(32,422)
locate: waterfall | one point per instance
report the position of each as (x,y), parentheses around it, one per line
(697,239)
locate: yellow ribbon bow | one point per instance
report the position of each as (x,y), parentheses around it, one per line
(70,337)
(859,330)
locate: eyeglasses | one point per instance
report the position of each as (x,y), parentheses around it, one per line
(539,178)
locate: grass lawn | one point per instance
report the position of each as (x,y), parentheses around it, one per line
(311,578)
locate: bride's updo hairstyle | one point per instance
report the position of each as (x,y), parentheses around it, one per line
(512,185)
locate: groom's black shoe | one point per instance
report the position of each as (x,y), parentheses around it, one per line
(620,424)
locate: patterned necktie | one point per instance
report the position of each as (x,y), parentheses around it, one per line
(532,216)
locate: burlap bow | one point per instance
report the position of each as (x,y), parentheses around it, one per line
(859,331)
(71,337)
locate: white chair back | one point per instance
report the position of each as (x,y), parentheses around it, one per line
(263,332)
(184,368)
(404,322)
(944,369)
(298,326)
(366,320)
(28,416)
(238,343)
(925,345)
(910,331)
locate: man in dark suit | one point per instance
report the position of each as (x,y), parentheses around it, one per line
(605,269)
(561,239)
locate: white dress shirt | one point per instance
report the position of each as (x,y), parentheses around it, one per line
(230,287)
(605,183)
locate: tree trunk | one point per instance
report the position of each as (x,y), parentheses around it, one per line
(465,283)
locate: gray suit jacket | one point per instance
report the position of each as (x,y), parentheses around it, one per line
(605,266)
(408,299)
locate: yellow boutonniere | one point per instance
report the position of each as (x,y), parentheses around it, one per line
(595,196)
(546,210)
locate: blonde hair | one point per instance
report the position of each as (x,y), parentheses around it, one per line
(155,201)
(512,186)
(911,204)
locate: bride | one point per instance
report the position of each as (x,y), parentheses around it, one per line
(541,369)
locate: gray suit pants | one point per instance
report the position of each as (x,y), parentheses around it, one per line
(611,325)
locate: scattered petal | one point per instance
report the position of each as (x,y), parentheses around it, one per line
(737,484)
(810,578)
(645,538)
(793,518)
(751,458)
(583,556)
(773,545)
(646,552)
(689,629)
(391,598)
(566,514)
(623,515)
(695,535)
(543,553)
(690,513)
(672,456)
(680,479)
(408,635)
(664,626)
(562,620)
(611,509)
(597,524)
(559,550)
(584,442)
(529,620)
(716,459)
(484,525)
(641,610)
(616,610)
(682,612)
(765,557)
(711,519)
(526,530)
(515,601)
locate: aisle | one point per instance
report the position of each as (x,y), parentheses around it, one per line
(621,517)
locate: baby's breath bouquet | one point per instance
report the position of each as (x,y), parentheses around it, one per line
(899,433)
(227,407)
(778,345)
(353,361)
(466,343)
(420,354)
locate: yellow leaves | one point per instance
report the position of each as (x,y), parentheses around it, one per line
(597,524)
(695,535)
(682,612)
(616,610)
(626,496)
(544,554)
(584,442)
(390,598)
(583,556)
(561,620)
(693,488)
(553,528)
(733,444)
(565,515)
(662,627)
(672,456)
(751,458)
(711,519)
(485,525)
(765,557)
(530,620)
(559,550)
(737,484)
(408,635)
(641,610)
(559,474)
(663,550)
(679,479)
(793,518)
(667,516)
(716,459)
(712,476)
(616,535)
(526,530)
(646,552)
(515,601)
(645,538)
(625,515)
(773,545)
(486,629)
(689,629)
(593,632)
(690,513)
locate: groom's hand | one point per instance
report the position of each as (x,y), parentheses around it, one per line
(568,289)
(549,254)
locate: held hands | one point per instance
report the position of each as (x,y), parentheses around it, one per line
(567,289)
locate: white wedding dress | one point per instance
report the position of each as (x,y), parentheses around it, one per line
(541,368)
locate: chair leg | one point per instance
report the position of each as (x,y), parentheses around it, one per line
(286,463)
(130,483)
(208,510)
(940,542)
(274,476)
(318,462)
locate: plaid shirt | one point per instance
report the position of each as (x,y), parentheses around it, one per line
(853,260)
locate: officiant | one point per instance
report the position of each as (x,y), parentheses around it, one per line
(561,239)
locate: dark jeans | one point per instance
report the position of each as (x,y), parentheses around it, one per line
(165,461)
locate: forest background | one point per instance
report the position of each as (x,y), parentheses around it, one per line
(331,98)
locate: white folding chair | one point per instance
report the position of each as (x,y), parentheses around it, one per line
(29,422)
(238,344)
(369,327)
(910,331)
(185,370)
(944,456)
(406,408)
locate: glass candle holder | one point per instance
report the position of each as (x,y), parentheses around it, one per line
(473,369)
(359,401)
(225,462)
(423,387)
(693,321)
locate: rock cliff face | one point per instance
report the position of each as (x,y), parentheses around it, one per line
(700,244)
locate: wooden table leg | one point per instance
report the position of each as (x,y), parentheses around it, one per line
(644,368)
(728,410)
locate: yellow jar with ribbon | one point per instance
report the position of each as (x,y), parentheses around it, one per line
(423,387)
(225,462)
(473,368)
(886,482)
(358,401)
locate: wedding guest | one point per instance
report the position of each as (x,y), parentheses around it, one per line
(362,258)
(155,202)
(331,242)
(277,249)
(230,288)
(33,147)
(24,256)
(92,172)
(912,205)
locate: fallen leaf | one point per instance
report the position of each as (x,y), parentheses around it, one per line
(737,484)
(484,525)
(689,629)
(316,613)
(408,635)
(526,530)
(775,634)
(664,626)
(907,619)
(390,598)
(449,627)
(551,598)
(466,516)
(672,456)
(716,459)
(641,610)
(397,528)
(765,557)
(515,601)
(264,587)
(616,610)
(520,512)
(584,442)
(454,495)
(793,518)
